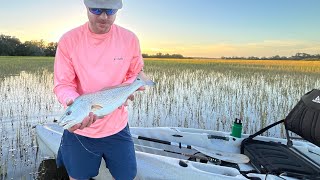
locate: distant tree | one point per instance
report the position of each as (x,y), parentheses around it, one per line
(161,55)
(253,58)
(300,56)
(8,45)
(50,49)
(145,55)
(276,57)
(33,48)
(177,56)
(21,50)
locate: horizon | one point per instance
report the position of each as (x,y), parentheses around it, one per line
(209,28)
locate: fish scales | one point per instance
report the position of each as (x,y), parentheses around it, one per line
(100,103)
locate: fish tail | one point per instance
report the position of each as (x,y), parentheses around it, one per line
(150,83)
(147,80)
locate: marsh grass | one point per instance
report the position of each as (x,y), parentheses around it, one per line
(210,94)
(13,65)
(207,94)
(26,101)
(284,66)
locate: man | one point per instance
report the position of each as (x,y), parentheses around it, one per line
(89,58)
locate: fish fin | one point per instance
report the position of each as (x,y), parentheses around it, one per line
(96,107)
(113,87)
(140,76)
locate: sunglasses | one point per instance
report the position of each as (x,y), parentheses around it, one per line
(98,11)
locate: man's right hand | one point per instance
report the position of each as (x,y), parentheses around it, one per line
(86,122)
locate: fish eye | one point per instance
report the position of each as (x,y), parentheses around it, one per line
(68,113)
(138,79)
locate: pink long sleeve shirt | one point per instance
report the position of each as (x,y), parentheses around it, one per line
(86,62)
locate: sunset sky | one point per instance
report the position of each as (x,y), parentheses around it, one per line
(198,28)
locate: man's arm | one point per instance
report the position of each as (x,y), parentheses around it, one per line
(136,64)
(65,86)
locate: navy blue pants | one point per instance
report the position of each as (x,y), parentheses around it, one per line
(82,155)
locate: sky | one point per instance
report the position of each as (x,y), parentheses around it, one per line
(193,28)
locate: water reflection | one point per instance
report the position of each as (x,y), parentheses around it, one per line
(26,100)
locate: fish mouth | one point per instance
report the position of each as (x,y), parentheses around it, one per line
(66,125)
(64,122)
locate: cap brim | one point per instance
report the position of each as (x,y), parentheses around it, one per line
(104,4)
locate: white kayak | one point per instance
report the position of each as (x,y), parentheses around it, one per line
(182,153)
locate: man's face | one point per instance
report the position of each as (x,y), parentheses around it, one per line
(100,24)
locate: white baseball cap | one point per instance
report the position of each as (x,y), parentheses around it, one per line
(104,4)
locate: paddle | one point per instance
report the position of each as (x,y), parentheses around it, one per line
(201,158)
(224,156)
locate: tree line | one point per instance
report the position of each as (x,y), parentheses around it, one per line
(297,56)
(160,55)
(12,46)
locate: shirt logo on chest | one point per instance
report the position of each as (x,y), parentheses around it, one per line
(118,58)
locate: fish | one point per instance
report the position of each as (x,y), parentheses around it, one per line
(102,102)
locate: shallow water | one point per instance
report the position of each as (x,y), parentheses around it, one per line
(206,99)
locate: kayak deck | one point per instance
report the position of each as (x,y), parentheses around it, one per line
(177,161)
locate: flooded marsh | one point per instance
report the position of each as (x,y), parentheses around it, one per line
(206,94)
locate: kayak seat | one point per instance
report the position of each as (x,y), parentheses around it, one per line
(284,159)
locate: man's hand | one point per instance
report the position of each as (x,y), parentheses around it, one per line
(86,122)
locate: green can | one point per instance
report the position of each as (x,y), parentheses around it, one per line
(237,128)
